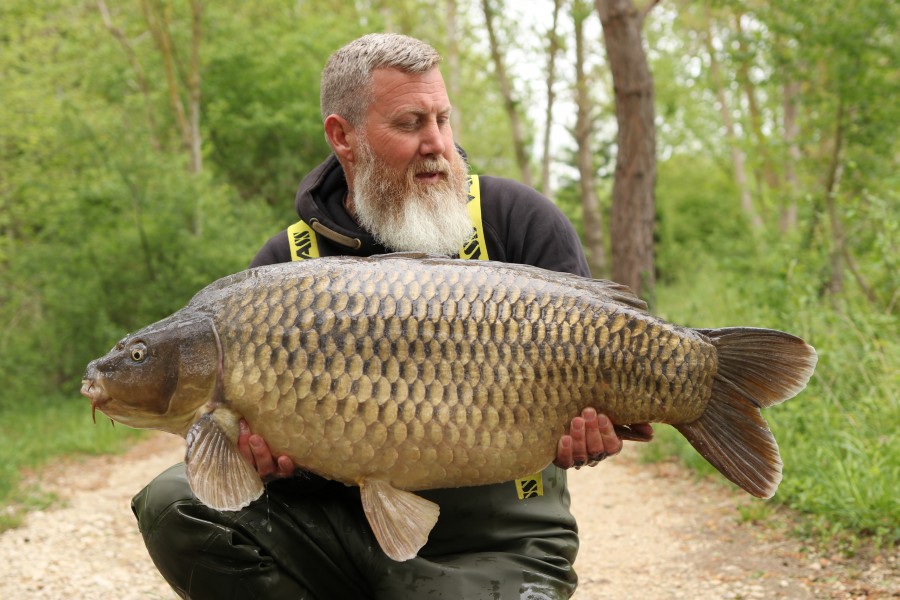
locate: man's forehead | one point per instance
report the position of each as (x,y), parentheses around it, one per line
(398,92)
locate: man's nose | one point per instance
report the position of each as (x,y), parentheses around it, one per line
(432,141)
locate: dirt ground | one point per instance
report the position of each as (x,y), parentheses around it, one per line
(648,532)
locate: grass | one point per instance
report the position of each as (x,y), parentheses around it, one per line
(35,433)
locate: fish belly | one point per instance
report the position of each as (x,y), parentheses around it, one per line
(443,377)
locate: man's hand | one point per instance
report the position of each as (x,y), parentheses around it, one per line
(592,438)
(256,451)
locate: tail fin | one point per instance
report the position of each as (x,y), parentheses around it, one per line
(757,368)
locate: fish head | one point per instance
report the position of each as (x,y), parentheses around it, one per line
(159,377)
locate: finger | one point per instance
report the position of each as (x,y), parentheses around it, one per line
(579,450)
(285,466)
(593,441)
(564,453)
(262,456)
(243,441)
(611,442)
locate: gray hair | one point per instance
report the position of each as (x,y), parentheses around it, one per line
(347,78)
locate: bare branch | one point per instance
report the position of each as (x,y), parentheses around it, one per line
(506,90)
(135,65)
(552,52)
(594,236)
(194,86)
(159,29)
(737,155)
(646,11)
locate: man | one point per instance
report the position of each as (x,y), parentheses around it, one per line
(396,182)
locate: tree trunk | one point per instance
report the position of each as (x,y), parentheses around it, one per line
(453,73)
(737,155)
(633,210)
(552,53)
(187,120)
(194,86)
(590,206)
(135,65)
(835,171)
(769,173)
(788,220)
(509,103)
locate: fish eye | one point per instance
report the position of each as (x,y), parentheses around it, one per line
(138,353)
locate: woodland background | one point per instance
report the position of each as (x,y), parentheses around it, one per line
(148,147)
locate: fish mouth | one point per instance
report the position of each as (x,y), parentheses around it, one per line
(97,395)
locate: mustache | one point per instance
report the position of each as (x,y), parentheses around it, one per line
(438,164)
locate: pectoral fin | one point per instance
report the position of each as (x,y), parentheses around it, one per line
(218,474)
(400,520)
(625,432)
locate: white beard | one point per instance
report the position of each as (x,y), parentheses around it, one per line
(407,216)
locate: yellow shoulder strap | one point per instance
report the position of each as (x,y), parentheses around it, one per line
(475,248)
(304,244)
(303,241)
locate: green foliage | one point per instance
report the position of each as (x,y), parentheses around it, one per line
(840,450)
(101,232)
(103,229)
(838,438)
(695,218)
(262,97)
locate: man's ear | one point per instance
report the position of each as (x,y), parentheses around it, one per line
(342,137)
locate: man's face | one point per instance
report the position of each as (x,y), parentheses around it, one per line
(409,119)
(408,183)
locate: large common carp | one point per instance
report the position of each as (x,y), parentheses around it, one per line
(407,372)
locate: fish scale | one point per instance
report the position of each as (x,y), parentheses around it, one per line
(408,372)
(458,346)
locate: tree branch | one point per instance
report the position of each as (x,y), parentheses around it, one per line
(506,90)
(160,32)
(135,64)
(646,11)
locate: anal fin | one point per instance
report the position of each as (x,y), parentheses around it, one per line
(217,472)
(400,520)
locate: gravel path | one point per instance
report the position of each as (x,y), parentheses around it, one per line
(648,532)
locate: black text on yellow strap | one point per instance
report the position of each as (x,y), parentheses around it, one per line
(530,487)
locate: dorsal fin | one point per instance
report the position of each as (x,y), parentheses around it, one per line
(618,292)
(609,290)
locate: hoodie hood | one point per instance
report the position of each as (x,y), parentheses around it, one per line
(320,202)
